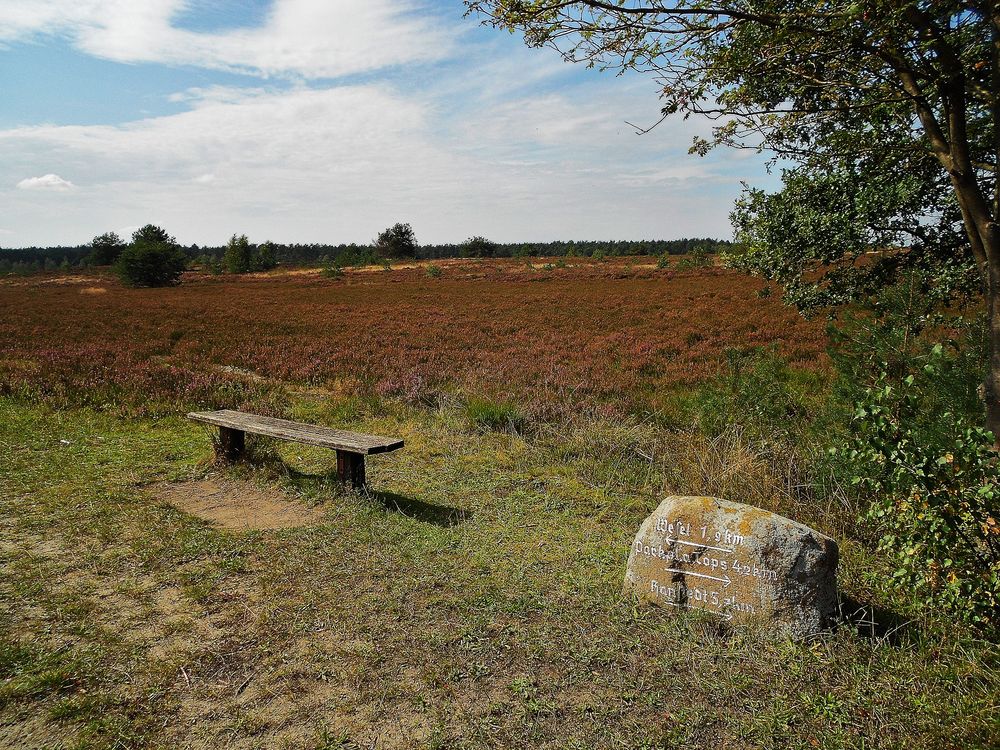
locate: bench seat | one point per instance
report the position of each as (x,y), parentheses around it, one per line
(351,447)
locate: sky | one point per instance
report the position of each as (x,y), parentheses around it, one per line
(326,121)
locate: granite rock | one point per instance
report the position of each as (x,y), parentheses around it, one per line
(744,564)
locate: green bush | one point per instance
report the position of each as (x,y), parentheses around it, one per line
(266,257)
(398,241)
(332,271)
(491,416)
(697,258)
(238,257)
(153,259)
(434,271)
(478,247)
(663,261)
(933,488)
(105,249)
(759,393)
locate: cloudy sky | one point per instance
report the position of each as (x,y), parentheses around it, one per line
(325,121)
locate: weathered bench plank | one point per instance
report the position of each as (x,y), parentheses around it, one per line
(351,447)
(297,432)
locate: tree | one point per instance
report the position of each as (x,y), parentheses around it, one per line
(105,249)
(152,259)
(478,247)
(238,256)
(266,257)
(887,111)
(398,241)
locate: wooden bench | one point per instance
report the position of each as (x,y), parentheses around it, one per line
(351,447)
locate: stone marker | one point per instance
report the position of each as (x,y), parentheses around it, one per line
(743,563)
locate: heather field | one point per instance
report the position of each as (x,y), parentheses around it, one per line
(617,335)
(151,597)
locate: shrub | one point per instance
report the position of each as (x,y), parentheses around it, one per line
(153,259)
(697,258)
(434,271)
(934,493)
(478,247)
(398,241)
(238,256)
(332,271)
(266,257)
(759,393)
(105,249)
(663,261)
(491,416)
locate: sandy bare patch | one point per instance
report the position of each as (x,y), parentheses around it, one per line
(238,505)
(94,290)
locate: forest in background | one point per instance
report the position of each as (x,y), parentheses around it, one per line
(22,261)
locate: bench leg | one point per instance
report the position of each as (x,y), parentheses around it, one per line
(351,468)
(231,443)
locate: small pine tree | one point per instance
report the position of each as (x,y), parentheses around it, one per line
(266,257)
(238,256)
(478,247)
(105,249)
(398,241)
(153,259)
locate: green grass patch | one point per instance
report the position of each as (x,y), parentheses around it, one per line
(471,599)
(495,416)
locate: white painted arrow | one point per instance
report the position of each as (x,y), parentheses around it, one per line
(727,615)
(695,544)
(724,581)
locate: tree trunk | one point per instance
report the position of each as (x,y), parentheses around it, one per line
(991,389)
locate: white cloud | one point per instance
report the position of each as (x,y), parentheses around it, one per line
(52,182)
(503,141)
(339,164)
(307,38)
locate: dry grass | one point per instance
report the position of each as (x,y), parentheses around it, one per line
(473,601)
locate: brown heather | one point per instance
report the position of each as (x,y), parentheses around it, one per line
(609,335)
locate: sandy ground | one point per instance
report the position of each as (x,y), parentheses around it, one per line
(239,506)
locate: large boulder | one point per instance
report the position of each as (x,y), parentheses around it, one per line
(746,565)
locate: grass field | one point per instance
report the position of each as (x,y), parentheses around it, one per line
(472,600)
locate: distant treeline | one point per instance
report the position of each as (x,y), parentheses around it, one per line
(35,259)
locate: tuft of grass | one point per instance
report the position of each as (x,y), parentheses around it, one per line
(493,416)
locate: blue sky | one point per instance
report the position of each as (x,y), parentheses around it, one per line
(327,120)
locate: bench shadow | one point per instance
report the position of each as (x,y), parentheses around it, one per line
(439,515)
(874,622)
